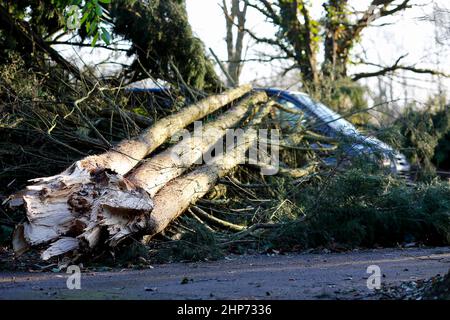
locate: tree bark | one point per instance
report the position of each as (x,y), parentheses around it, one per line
(336,48)
(178,194)
(234,18)
(163,167)
(152,176)
(128,153)
(301,36)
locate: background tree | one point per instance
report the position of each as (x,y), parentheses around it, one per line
(299,37)
(234,20)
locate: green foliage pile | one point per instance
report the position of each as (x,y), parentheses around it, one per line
(163,42)
(424,134)
(357,209)
(162,45)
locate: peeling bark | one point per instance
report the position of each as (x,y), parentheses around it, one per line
(60,246)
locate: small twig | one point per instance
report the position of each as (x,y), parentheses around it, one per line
(200,220)
(89,123)
(229,78)
(218,221)
(254,227)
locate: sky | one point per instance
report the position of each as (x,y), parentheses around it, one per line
(407,35)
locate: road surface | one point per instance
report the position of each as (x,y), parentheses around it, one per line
(295,276)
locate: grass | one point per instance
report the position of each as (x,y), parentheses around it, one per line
(356,209)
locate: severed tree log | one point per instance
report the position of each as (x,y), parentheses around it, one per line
(163,167)
(57,205)
(177,195)
(129,152)
(123,208)
(153,174)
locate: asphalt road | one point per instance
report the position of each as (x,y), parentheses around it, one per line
(296,276)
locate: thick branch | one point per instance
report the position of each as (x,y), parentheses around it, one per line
(268,12)
(371,14)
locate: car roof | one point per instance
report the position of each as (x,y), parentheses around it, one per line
(329,117)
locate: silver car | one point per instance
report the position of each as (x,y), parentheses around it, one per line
(331,124)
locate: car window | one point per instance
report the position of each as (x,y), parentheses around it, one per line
(288,119)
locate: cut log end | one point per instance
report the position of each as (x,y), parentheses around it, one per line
(79,205)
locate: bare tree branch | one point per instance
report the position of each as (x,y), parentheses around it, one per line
(271,41)
(397,66)
(268,10)
(79,44)
(372,14)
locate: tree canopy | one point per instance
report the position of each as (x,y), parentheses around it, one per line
(161,40)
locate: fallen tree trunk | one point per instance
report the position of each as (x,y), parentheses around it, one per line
(128,153)
(124,208)
(57,205)
(169,164)
(154,173)
(178,194)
